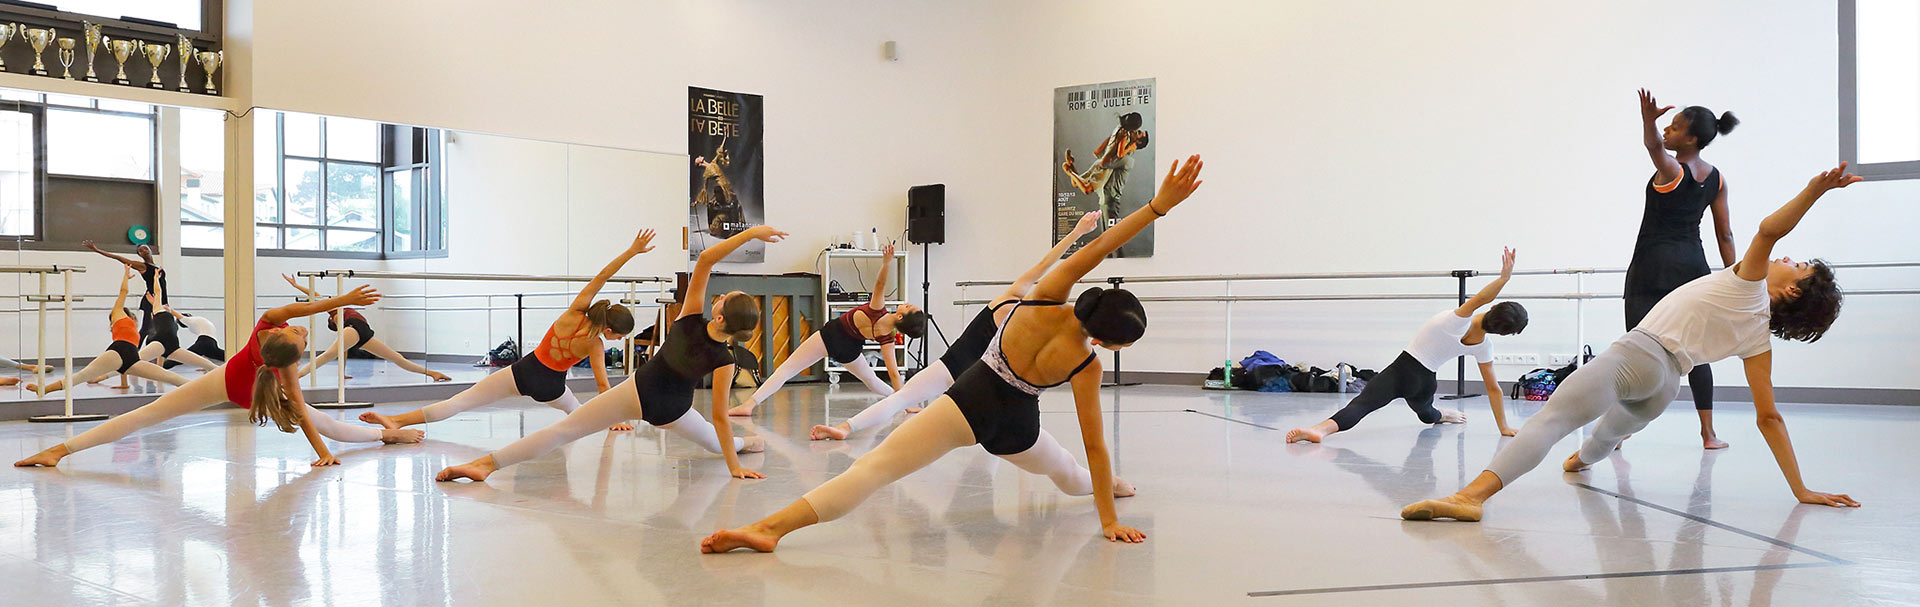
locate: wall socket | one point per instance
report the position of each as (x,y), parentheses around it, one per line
(1560,360)
(1516,359)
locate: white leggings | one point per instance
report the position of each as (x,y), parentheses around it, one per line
(496,387)
(109,361)
(812,351)
(373,346)
(610,407)
(923,439)
(1626,387)
(152,350)
(926,385)
(205,391)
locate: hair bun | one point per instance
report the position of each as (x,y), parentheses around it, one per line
(1088,301)
(1725,123)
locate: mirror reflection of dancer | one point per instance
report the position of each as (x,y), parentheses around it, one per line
(844,340)
(259,378)
(357,332)
(996,404)
(1668,252)
(1114,160)
(206,343)
(163,331)
(661,391)
(716,193)
(542,376)
(1726,313)
(122,356)
(966,350)
(1448,335)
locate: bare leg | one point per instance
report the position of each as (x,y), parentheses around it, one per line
(1707,436)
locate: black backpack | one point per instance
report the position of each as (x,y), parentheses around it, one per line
(504,354)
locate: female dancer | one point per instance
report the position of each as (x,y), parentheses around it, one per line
(543,376)
(163,331)
(1668,252)
(260,378)
(1726,313)
(122,356)
(1453,333)
(356,331)
(207,344)
(151,273)
(930,382)
(8,363)
(996,404)
(843,339)
(661,391)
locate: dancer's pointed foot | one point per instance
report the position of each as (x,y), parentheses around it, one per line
(744,537)
(834,432)
(1452,506)
(477,470)
(397,436)
(379,420)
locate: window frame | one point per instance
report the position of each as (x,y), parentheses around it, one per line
(1850,107)
(39,113)
(211,20)
(40,110)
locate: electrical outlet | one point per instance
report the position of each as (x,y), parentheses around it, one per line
(1560,360)
(1516,359)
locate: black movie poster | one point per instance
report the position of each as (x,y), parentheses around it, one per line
(1103,157)
(725,145)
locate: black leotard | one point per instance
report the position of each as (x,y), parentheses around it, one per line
(154,276)
(842,337)
(363,332)
(129,354)
(538,381)
(1668,253)
(209,348)
(972,343)
(667,380)
(1002,408)
(163,329)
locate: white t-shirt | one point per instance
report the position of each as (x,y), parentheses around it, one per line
(1711,318)
(1439,341)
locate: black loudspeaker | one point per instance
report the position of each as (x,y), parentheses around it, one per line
(927,214)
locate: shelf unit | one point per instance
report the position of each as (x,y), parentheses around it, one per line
(831,310)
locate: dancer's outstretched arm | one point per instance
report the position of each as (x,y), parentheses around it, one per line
(642,243)
(1753,266)
(1086,403)
(1774,428)
(1087,224)
(694,302)
(137,266)
(878,300)
(120,302)
(1495,400)
(722,399)
(1665,167)
(362,296)
(1492,291)
(1181,181)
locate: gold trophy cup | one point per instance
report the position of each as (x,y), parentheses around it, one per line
(39,39)
(7,30)
(155,53)
(185,48)
(210,60)
(121,50)
(66,57)
(92,34)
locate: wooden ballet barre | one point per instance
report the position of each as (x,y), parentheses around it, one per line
(487,277)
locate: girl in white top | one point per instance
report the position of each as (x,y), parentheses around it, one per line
(1449,334)
(1727,313)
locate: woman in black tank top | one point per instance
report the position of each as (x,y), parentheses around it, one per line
(1668,252)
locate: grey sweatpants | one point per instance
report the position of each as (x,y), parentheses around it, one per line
(1625,387)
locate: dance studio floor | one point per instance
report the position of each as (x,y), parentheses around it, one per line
(207,510)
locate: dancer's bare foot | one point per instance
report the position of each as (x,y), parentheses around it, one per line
(1712,442)
(438,376)
(1452,416)
(9,381)
(1452,506)
(915,409)
(750,536)
(49,458)
(379,420)
(478,470)
(621,427)
(752,444)
(834,432)
(37,390)
(1313,433)
(1122,488)
(397,436)
(744,410)
(1573,463)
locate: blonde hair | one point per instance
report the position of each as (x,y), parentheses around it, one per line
(270,403)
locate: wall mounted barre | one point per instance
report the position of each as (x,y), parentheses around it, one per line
(66,299)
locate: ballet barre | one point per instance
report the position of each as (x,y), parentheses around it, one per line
(66,299)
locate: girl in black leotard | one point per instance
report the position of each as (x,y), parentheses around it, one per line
(661,391)
(356,334)
(1042,343)
(1668,252)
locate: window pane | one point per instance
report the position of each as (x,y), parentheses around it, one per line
(1887,53)
(202,237)
(183,13)
(13,95)
(16,174)
(302,239)
(349,139)
(266,173)
(99,145)
(303,192)
(353,195)
(115,105)
(403,209)
(352,240)
(72,100)
(303,135)
(266,238)
(202,167)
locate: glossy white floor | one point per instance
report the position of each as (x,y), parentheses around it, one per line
(208,510)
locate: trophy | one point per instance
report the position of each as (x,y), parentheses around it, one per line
(121,49)
(7,30)
(92,32)
(185,48)
(39,39)
(210,60)
(156,53)
(66,57)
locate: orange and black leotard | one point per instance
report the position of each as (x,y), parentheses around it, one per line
(543,376)
(126,342)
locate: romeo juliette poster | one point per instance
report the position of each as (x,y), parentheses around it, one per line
(1103,156)
(725,146)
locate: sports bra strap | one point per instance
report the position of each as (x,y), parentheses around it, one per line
(996,307)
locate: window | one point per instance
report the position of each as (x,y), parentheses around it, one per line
(98,144)
(60,141)
(1880,87)
(333,186)
(19,173)
(203,179)
(185,14)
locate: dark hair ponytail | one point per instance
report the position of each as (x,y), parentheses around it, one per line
(1703,126)
(604,315)
(1113,316)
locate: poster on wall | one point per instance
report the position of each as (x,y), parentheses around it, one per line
(1103,160)
(727,163)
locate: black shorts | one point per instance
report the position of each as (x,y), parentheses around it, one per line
(538,381)
(129,354)
(1004,419)
(664,395)
(209,348)
(164,330)
(842,345)
(360,330)
(971,345)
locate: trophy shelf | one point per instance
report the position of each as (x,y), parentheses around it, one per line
(57,85)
